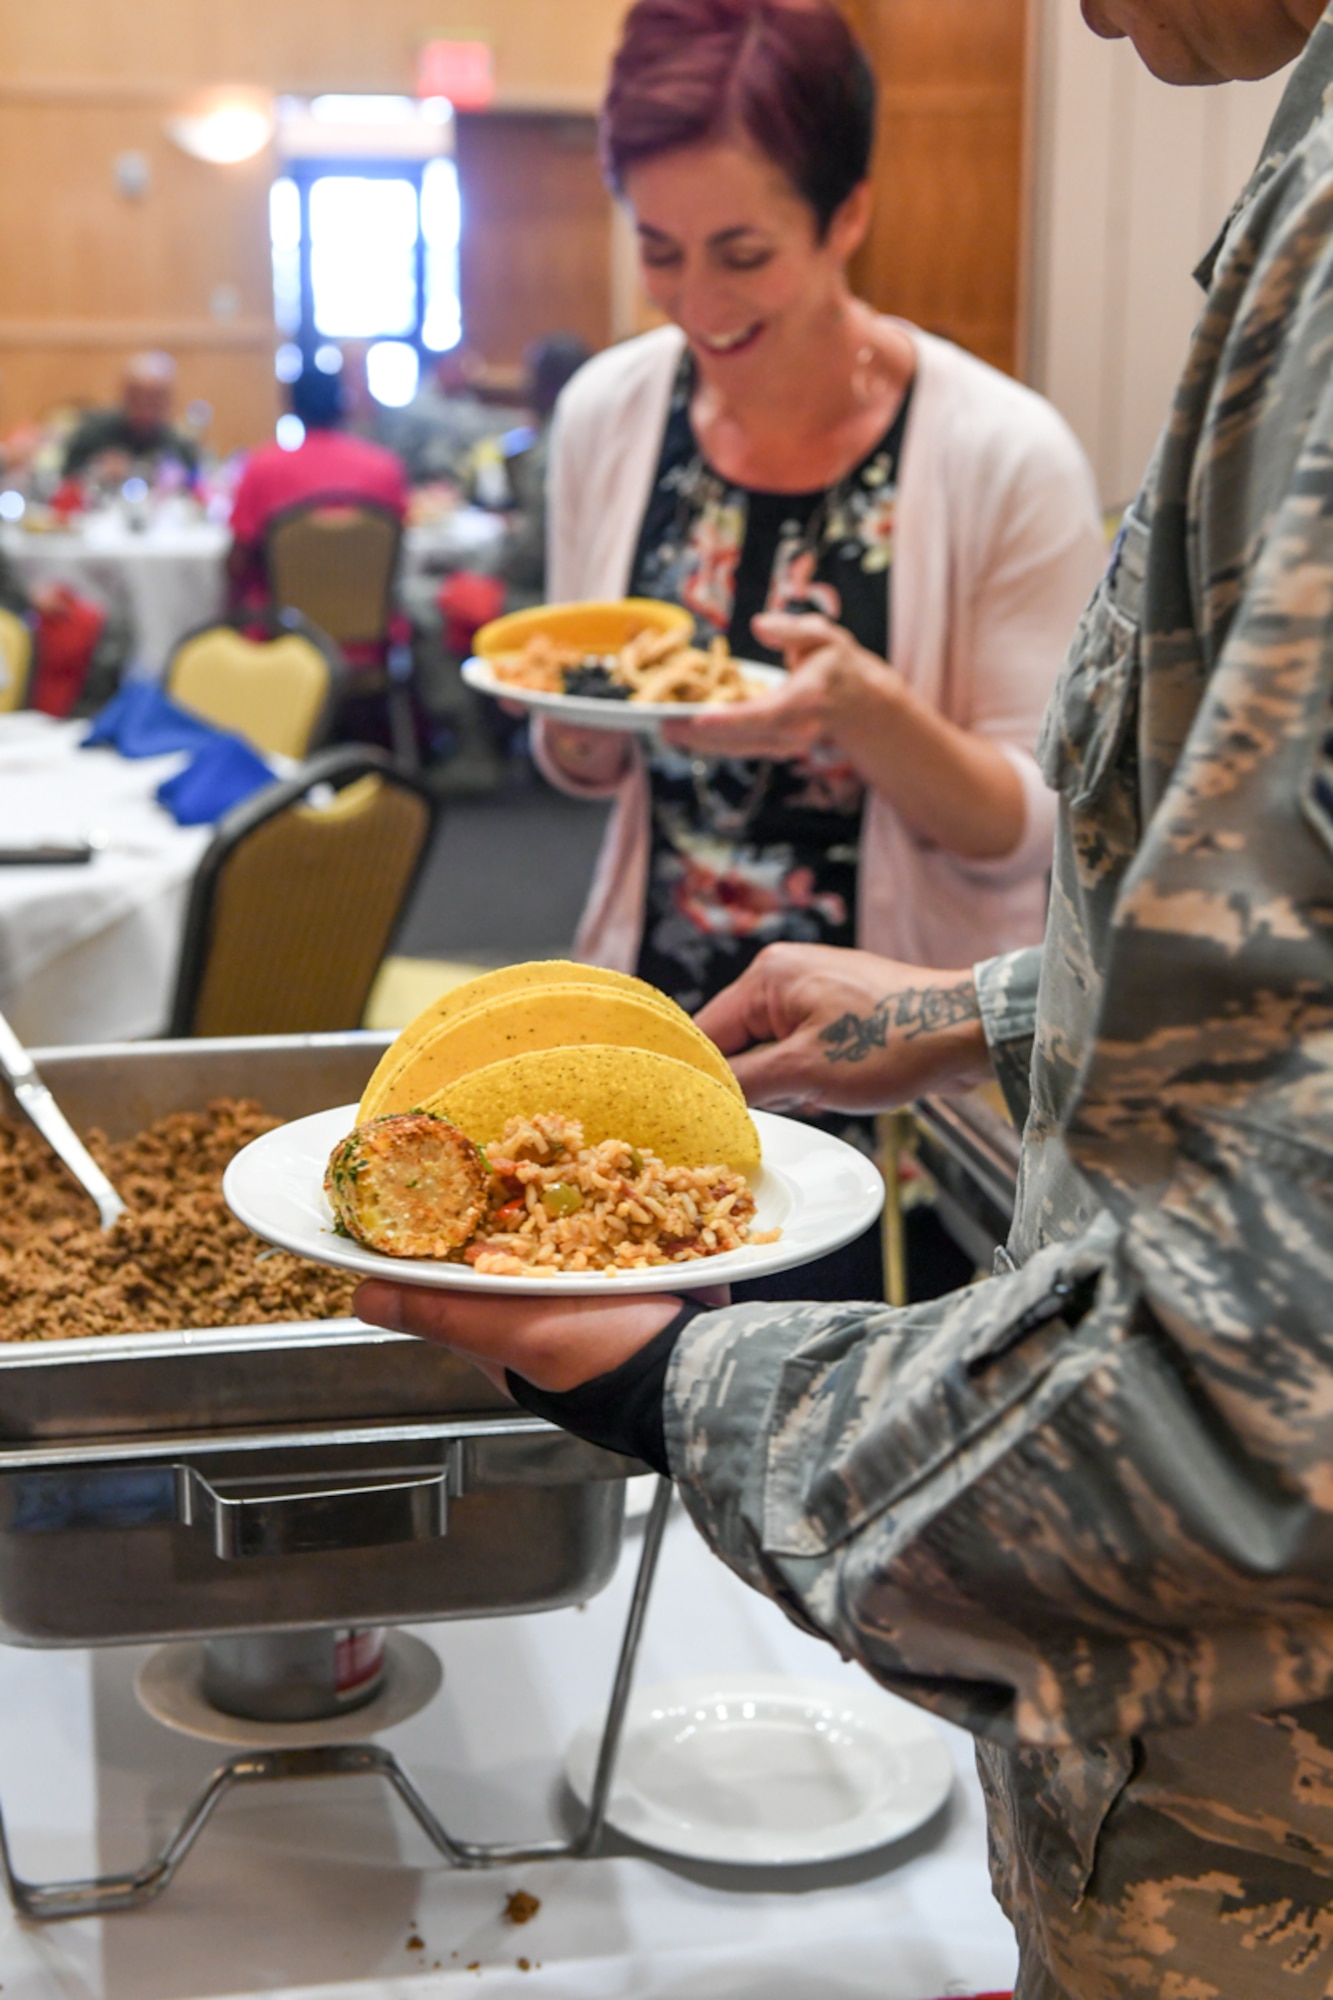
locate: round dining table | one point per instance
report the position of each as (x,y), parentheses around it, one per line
(88,950)
(167,575)
(162,579)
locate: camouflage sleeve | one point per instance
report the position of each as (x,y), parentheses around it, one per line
(1095,1498)
(897,1482)
(1015,1505)
(1007,994)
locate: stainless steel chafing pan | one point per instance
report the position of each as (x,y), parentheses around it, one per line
(971,1153)
(178,1484)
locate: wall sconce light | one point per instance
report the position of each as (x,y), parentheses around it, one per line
(223,126)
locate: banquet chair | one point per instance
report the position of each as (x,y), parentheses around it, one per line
(276,681)
(296,898)
(336,561)
(15,660)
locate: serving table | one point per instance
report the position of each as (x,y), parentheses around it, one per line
(274,1480)
(321,1891)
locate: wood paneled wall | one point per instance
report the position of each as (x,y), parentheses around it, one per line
(91,276)
(536,250)
(1132,180)
(946,247)
(550,53)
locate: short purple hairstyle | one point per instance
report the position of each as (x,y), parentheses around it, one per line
(789,74)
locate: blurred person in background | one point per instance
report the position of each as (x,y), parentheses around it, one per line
(909,532)
(481,735)
(327,464)
(551,362)
(449,417)
(139,432)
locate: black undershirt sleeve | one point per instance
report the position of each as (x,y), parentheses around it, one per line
(622,1410)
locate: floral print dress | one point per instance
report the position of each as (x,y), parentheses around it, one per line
(744,853)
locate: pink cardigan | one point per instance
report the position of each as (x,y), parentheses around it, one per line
(999,543)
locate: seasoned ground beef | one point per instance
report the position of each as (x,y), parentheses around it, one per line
(176,1258)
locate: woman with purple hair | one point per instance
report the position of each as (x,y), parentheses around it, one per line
(910,533)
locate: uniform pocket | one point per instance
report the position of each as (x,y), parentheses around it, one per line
(1049,1806)
(887,1428)
(1089,719)
(1089,726)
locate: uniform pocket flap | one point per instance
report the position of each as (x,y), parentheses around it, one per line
(1095,698)
(861,1426)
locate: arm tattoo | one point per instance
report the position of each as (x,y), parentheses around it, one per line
(918,1010)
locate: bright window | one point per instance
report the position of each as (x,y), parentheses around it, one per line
(392,372)
(284,228)
(363,258)
(368,251)
(441,225)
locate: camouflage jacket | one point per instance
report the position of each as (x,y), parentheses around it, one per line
(1065,1538)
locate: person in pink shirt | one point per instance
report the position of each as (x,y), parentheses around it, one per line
(328,464)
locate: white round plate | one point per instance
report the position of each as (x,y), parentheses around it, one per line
(588,712)
(767,1770)
(819,1191)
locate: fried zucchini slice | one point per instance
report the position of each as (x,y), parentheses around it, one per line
(408,1185)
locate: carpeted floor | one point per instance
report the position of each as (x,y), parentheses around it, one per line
(506,877)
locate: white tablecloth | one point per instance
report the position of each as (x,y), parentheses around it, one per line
(166,579)
(315,1889)
(89,952)
(466,538)
(171,577)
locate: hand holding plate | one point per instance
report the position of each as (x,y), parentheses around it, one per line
(554,1344)
(828,678)
(587,756)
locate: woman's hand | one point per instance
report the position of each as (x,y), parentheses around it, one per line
(809,1027)
(829,678)
(588,756)
(556,1343)
(952,786)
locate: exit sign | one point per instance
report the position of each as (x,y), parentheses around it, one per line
(464,72)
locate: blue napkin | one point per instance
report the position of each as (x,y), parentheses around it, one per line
(223,773)
(139,721)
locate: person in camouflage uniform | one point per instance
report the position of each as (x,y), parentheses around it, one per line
(1085,1509)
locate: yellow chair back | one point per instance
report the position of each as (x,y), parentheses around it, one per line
(335,564)
(15,661)
(273,692)
(300,911)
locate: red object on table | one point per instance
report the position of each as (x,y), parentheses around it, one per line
(68,629)
(67,500)
(467,602)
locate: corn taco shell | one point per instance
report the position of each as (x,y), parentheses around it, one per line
(667,1107)
(481,992)
(548,1017)
(600,626)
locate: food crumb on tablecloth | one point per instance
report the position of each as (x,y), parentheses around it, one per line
(520,1907)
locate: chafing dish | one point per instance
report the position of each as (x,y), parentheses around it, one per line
(278,1481)
(324,1473)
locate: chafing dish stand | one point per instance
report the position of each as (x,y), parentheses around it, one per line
(282,1480)
(97,1896)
